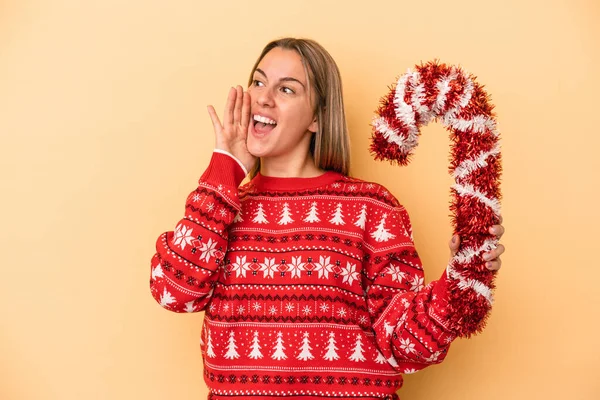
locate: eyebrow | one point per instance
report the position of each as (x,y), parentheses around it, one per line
(285,79)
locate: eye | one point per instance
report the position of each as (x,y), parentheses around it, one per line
(287,90)
(256,82)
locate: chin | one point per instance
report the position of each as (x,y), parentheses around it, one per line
(257,150)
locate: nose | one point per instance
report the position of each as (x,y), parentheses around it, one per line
(264,97)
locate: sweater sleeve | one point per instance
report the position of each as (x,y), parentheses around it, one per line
(187,260)
(407,316)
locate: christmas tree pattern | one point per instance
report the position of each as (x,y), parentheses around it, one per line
(259,216)
(305,349)
(279,354)
(166,298)
(202,335)
(313,214)
(382,234)
(157,272)
(210,352)
(189,307)
(331,349)
(380,358)
(231,347)
(338,217)
(285,217)
(255,346)
(362,217)
(358,350)
(238,217)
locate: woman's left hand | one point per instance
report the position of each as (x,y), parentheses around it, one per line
(492,257)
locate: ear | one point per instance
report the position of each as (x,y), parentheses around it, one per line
(314,125)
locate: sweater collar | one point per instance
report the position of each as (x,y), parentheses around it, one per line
(272,183)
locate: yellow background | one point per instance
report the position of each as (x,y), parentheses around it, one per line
(104,131)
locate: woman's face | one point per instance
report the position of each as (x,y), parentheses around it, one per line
(281,106)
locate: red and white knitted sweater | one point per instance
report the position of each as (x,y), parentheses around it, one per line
(311,287)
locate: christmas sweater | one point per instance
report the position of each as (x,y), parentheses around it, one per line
(311,287)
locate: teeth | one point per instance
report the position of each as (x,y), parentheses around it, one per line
(264,120)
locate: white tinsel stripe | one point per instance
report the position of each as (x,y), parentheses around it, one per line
(443,87)
(465,97)
(405,113)
(389,133)
(479,287)
(467,254)
(468,166)
(469,190)
(478,123)
(418,99)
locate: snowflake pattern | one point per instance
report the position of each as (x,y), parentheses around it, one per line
(395,272)
(240,266)
(207,250)
(296,267)
(183,236)
(323,267)
(407,346)
(256,306)
(289,307)
(342,312)
(324,307)
(416,283)
(272,310)
(269,267)
(307,310)
(349,273)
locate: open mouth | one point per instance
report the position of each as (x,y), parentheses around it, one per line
(262,124)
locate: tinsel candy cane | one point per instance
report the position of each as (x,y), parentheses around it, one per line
(435,91)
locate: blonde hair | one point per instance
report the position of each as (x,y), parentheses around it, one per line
(330,145)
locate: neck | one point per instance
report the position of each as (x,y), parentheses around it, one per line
(286,168)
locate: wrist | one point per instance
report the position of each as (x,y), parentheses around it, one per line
(224,169)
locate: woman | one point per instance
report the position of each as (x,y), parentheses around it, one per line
(309,279)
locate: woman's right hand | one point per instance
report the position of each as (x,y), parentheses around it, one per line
(231,135)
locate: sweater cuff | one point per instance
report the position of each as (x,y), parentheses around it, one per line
(223,169)
(438,309)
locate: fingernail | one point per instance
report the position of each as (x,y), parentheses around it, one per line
(454,239)
(488,265)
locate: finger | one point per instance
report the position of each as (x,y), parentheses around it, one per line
(237,110)
(229,105)
(215,119)
(246,110)
(494,254)
(494,265)
(454,244)
(497,230)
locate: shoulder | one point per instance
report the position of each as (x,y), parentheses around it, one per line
(372,191)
